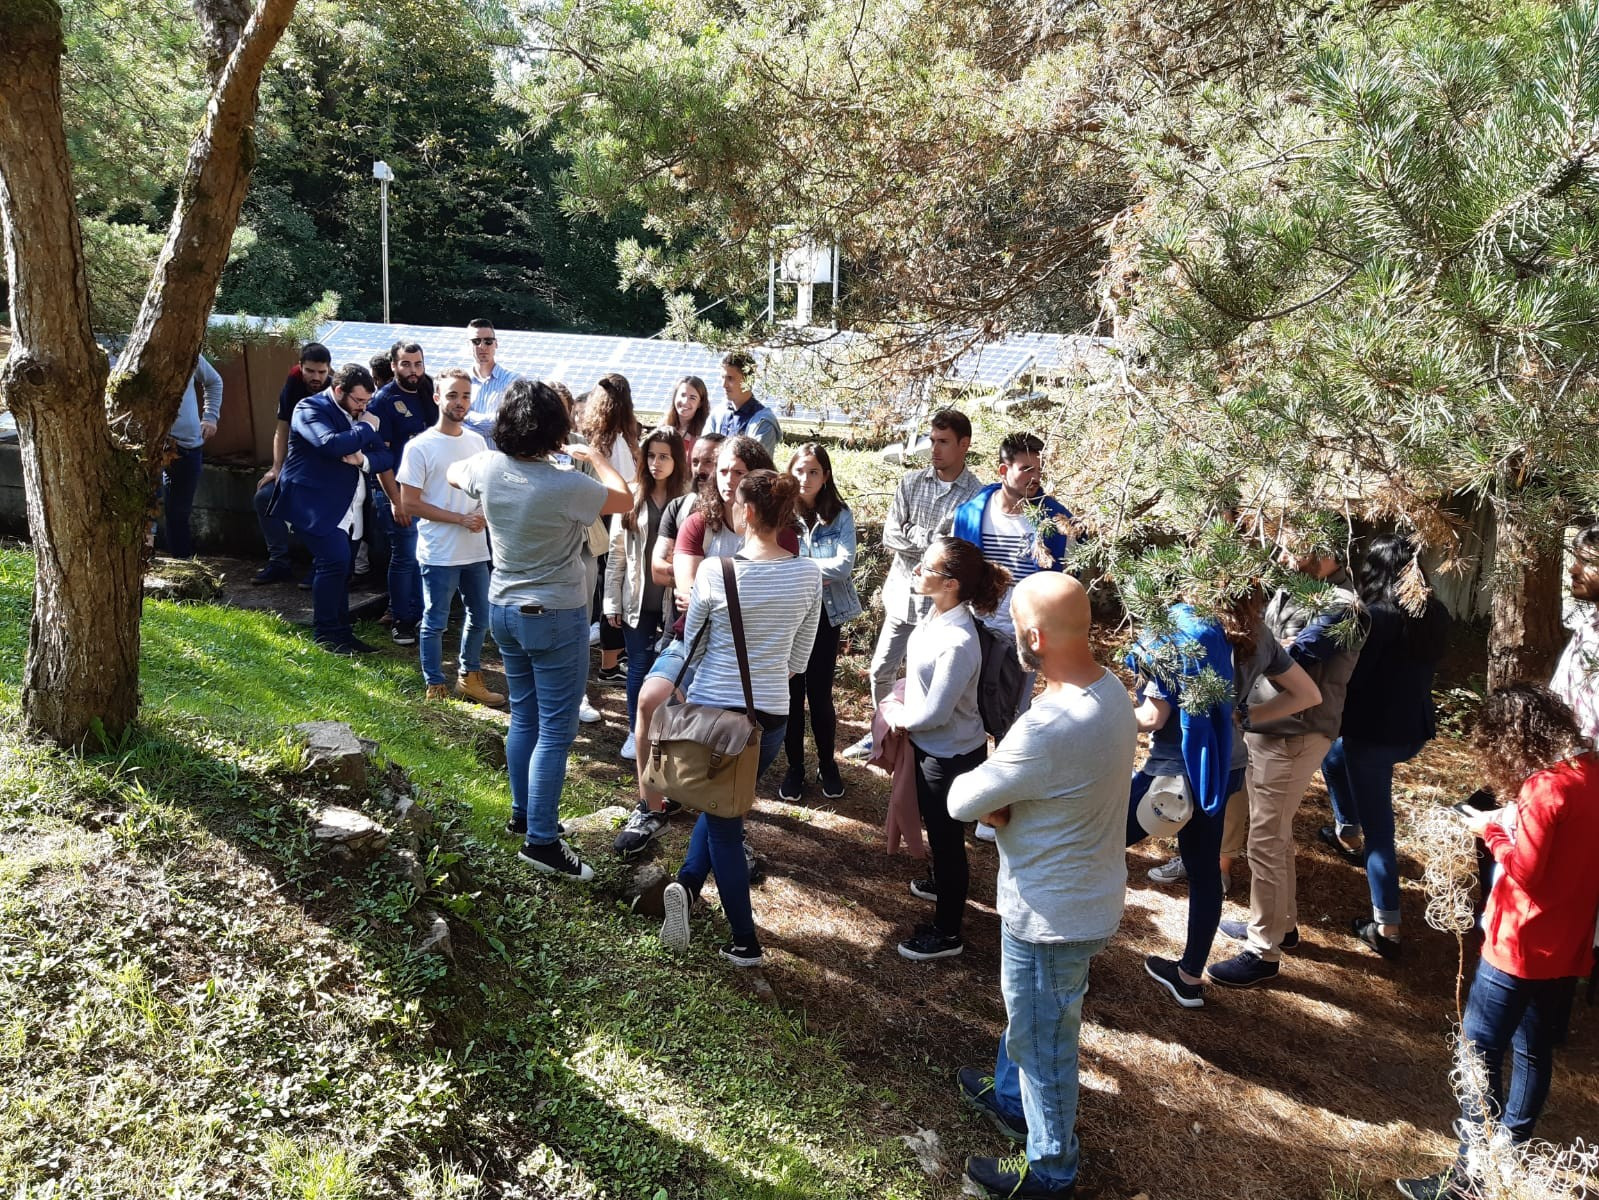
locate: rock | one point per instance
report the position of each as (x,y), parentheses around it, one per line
(927,1148)
(349,835)
(409,868)
(333,751)
(645,889)
(436,940)
(604,820)
(489,749)
(184,579)
(409,813)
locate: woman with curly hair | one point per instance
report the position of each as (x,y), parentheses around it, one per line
(1538,926)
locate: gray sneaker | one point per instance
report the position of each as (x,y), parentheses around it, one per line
(861,750)
(1171,871)
(643,827)
(674,928)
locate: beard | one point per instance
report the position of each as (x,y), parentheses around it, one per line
(1029,658)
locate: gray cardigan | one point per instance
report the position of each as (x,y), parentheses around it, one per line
(1063,770)
(942,662)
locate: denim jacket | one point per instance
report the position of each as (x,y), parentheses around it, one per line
(833,547)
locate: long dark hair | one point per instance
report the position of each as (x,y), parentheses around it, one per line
(828,502)
(1390,576)
(608,414)
(1520,729)
(644,482)
(696,423)
(754,456)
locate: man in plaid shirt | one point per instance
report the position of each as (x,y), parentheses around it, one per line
(924,501)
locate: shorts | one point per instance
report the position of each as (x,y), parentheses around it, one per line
(669,661)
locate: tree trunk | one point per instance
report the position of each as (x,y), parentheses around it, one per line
(1525,633)
(89,466)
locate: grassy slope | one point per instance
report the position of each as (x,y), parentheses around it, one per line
(191,1007)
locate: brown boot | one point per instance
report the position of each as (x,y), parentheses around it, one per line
(438,691)
(472,687)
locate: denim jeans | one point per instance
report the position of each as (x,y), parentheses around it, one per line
(405,576)
(274,529)
(640,643)
(716,847)
(1360,781)
(330,585)
(546,659)
(1199,846)
(1527,1017)
(180,480)
(1035,1071)
(439,585)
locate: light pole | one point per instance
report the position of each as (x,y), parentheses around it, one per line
(385,176)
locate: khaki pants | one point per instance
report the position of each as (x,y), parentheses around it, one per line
(1280,769)
(1235,824)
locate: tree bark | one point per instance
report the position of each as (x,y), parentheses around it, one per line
(89,468)
(1525,633)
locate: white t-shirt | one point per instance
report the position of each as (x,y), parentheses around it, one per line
(424,466)
(1008,540)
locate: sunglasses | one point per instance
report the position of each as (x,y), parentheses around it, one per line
(482,341)
(918,569)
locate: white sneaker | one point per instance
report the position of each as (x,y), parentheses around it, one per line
(1172,871)
(587,713)
(594,634)
(861,750)
(985,833)
(629,750)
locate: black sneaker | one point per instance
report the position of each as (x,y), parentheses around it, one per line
(832,782)
(925,889)
(1367,931)
(556,859)
(643,827)
(977,1090)
(742,956)
(1239,932)
(403,633)
(1010,1178)
(1242,971)
(273,572)
(348,647)
(928,943)
(792,788)
(518,830)
(677,900)
(1444,1186)
(1347,851)
(1164,972)
(611,676)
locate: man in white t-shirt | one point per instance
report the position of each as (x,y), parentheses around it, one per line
(452,547)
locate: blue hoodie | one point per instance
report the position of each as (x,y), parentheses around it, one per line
(1206,737)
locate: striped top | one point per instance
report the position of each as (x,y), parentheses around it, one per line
(781,600)
(1010,541)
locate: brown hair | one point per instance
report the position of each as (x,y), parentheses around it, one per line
(770,497)
(452,373)
(1521,729)
(608,414)
(828,502)
(696,423)
(1240,620)
(644,482)
(754,456)
(981,583)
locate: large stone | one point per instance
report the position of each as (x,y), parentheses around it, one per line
(182,579)
(333,751)
(435,936)
(603,820)
(409,868)
(645,890)
(408,812)
(349,835)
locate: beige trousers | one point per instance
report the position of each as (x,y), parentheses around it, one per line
(1280,769)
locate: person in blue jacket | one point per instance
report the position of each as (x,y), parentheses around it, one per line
(404,407)
(320,492)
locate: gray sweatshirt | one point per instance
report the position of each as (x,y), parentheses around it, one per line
(942,662)
(186,428)
(1063,769)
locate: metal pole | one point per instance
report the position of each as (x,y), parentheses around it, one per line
(771,288)
(383,204)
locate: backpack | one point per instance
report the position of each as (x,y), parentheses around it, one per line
(999,681)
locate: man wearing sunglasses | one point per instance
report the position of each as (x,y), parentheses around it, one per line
(489,379)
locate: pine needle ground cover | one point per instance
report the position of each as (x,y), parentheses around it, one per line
(191,1005)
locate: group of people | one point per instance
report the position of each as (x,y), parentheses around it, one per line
(687,543)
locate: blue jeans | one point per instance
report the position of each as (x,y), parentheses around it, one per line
(1528,1017)
(640,643)
(546,659)
(1199,846)
(1360,782)
(330,585)
(1035,1071)
(274,529)
(716,847)
(405,577)
(439,585)
(180,480)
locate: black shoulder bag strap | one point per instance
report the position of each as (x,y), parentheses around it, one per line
(735,616)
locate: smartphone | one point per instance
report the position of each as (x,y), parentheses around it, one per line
(561,459)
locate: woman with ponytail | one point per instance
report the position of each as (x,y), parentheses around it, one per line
(942,663)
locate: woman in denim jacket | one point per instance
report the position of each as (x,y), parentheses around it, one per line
(827,534)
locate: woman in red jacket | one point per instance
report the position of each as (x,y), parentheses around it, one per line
(1539,922)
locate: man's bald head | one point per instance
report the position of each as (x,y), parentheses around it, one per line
(1052,618)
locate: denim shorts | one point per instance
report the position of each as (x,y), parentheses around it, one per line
(669,661)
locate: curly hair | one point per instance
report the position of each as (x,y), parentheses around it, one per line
(532,421)
(1520,729)
(754,456)
(608,414)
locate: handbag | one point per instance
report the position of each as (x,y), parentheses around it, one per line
(704,757)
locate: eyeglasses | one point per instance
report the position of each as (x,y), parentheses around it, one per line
(482,341)
(918,569)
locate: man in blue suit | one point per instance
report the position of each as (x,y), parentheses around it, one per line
(320,492)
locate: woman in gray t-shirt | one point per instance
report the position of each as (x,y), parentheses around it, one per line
(539,510)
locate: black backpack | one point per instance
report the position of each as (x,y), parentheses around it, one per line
(999,681)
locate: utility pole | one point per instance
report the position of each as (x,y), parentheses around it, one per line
(382,172)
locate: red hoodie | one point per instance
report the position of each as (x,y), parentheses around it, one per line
(1540,915)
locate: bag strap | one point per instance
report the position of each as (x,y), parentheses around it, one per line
(735,614)
(689,657)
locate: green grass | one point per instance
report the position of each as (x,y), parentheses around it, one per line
(194,1006)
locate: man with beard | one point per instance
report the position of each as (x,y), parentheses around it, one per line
(453,547)
(404,408)
(320,492)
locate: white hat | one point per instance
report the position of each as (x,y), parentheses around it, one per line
(1166,807)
